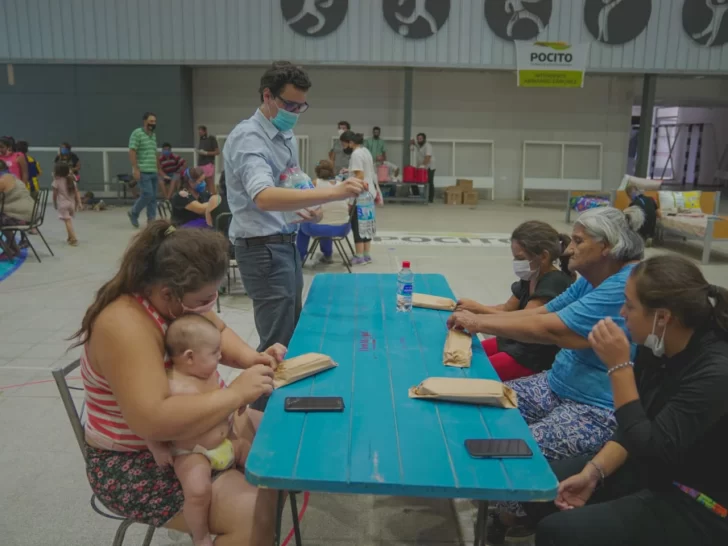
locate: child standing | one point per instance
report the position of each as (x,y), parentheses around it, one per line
(66,198)
(363,221)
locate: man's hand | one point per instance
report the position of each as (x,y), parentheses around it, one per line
(463,320)
(310,216)
(610,343)
(136,174)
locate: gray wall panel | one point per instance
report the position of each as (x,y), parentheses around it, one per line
(96,105)
(254,31)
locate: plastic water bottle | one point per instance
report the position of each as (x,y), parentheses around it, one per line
(405,287)
(365,214)
(296,179)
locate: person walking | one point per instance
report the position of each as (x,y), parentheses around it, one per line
(257,152)
(207,149)
(66,199)
(145,168)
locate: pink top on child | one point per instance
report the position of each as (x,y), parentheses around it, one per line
(11,160)
(64,198)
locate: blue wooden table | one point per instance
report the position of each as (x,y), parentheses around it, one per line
(385,443)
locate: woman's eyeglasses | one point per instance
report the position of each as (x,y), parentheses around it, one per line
(293,107)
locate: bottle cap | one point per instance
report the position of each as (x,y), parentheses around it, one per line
(406,264)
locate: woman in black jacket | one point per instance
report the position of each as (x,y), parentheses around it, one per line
(662,479)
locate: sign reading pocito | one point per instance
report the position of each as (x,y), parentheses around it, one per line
(551,64)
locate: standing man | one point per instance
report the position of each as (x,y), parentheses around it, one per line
(145,168)
(425,160)
(376,147)
(257,152)
(337,155)
(207,149)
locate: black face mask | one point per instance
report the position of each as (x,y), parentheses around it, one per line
(152,126)
(376,137)
(348,151)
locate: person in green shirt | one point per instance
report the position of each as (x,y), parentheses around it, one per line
(145,168)
(376,146)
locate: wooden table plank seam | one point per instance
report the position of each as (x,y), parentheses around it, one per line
(424,360)
(383,306)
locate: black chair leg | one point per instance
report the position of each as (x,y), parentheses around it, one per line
(46,242)
(311,251)
(342,253)
(348,242)
(294,516)
(24,237)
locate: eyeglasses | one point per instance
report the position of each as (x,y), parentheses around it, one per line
(293,107)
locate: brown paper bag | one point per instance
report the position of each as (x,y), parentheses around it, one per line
(458,349)
(433,302)
(299,367)
(484,392)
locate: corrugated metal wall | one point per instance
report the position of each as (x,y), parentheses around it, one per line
(253,31)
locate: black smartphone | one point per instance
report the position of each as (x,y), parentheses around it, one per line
(314,403)
(498,449)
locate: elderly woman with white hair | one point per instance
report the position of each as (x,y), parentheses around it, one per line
(569,408)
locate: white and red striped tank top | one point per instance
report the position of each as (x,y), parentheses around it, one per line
(105,426)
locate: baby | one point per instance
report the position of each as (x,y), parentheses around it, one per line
(193,344)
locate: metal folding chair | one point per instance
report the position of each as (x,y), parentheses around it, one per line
(36,220)
(338,243)
(75,417)
(3,245)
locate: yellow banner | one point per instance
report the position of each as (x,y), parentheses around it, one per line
(550,78)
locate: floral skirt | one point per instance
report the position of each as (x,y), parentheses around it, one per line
(132,485)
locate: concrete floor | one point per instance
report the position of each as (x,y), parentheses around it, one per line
(43,490)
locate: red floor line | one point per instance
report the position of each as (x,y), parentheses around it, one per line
(301,513)
(3,387)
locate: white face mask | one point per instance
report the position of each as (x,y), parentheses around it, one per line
(341,132)
(522,269)
(655,344)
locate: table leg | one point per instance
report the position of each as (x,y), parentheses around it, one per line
(294,517)
(279,517)
(481,523)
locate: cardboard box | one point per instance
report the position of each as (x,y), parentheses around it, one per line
(464,184)
(453,196)
(470,197)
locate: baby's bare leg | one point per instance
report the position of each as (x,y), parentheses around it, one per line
(194,474)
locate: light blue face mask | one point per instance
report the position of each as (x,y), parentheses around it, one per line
(284,120)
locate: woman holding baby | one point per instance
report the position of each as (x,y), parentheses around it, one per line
(166,273)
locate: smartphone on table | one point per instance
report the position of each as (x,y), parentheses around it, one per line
(314,403)
(514,448)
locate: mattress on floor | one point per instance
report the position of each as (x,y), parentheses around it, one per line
(685,223)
